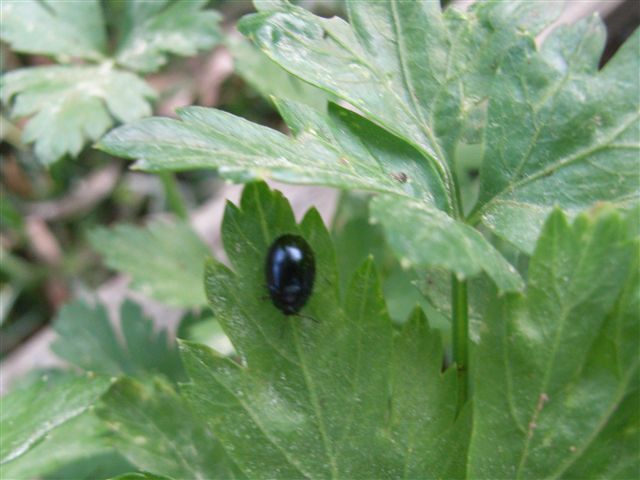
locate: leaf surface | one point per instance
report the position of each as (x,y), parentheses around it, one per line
(28,414)
(72,105)
(342,150)
(556,132)
(155,430)
(270,79)
(87,339)
(560,132)
(441,241)
(310,399)
(78,449)
(50,27)
(165,260)
(557,369)
(379,63)
(140,476)
(153,30)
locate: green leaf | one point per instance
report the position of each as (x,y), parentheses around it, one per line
(269,79)
(203,327)
(557,132)
(140,476)
(72,105)
(557,370)
(385,75)
(78,450)
(154,428)
(355,238)
(441,241)
(243,151)
(560,132)
(378,63)
(343,150)
(28,414)
(87,339)
(165,260)
(311,399)
(62,29)
(152,30)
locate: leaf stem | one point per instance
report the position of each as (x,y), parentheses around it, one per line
(173,195)
(460,335)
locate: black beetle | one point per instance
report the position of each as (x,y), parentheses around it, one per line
(290,269)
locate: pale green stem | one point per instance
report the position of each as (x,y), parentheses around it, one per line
(460,335)
(173,195)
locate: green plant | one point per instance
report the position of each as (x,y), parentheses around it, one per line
(526,364)
(78,100)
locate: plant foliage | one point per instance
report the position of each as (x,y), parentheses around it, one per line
(541,253)
(78,101)
(416,111)
(311,394)
(88,340)
(165,260)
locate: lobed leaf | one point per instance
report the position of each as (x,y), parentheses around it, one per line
(71,105)
(580,138)
(560,132)
(87,339)
(75,104)
(311,399)
(165,260)
(557,369)
(378,63)
(428,108)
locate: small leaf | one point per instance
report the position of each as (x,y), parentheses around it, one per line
(152,30)
(166,260)
(51,27)
(71,105)
(28,414)
(311,399)
(156,431)
(87,339)
(557,367)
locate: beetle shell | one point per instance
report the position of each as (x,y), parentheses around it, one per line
(290,269)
